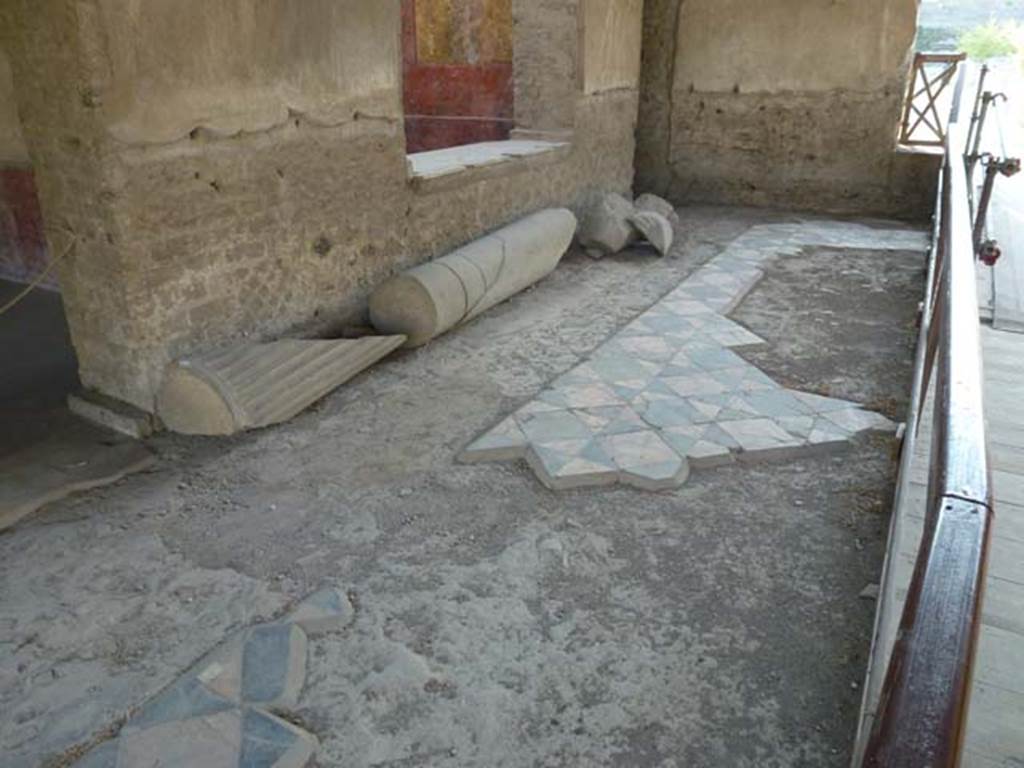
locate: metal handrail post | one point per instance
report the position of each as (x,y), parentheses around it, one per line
(974,112)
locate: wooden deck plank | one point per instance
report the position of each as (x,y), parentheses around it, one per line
(1000,659)
(994,724)
(1006,457)
(972,759)
(1002,435)
(1008,487)
(1006,558)
(1009,521)
(1003,607)
(995,729)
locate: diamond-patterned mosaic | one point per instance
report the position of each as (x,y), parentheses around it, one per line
(668,392)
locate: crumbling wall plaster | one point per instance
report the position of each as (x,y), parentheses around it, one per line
(12,143)
(545,60)
(611,50)
(171,66)
(789,103)
(794,45)
(188,243)
(654,120)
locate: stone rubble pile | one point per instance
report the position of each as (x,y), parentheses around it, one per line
(613,222)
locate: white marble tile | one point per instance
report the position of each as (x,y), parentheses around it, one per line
(666,391)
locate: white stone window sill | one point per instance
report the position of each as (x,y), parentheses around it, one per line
(440,164)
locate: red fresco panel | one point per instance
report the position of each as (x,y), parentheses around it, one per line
(447,105)
(22,242)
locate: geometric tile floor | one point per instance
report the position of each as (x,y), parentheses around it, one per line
(668,392)
(218,715)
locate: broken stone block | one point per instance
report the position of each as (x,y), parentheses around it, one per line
(649,202)
(110,413)
(256,385)
(432,298)
(324,611)
(655,229)
(606,227)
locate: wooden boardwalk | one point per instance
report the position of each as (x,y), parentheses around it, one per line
(1005,281)
(995,731)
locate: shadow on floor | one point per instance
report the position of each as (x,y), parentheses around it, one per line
(39,367)
(46,452)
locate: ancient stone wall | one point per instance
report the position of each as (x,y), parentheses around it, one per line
(786,103)
(230,172)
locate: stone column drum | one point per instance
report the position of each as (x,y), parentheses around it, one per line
(255,385)
(432,298)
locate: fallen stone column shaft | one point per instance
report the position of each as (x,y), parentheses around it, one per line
(432,298)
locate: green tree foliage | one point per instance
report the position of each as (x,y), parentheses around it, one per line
(989,41)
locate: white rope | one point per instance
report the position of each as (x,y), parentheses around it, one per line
(39,279)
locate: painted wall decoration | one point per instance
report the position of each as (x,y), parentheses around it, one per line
(22,243)
(23,252)
(457,57)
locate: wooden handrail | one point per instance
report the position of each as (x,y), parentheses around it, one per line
(922,712)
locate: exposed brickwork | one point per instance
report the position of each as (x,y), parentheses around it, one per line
(799,124)
(831,151)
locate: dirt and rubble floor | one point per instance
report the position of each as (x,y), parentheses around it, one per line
(497,623)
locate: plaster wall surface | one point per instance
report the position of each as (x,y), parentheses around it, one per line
(789,103)
(278,209)
(168,66)
(545,63)
(611,54)
(794,45)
